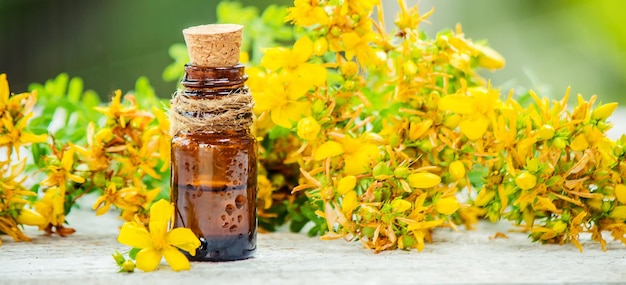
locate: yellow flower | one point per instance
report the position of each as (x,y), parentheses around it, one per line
(284,101)
(293,63)
(308,128)
(265,191)
(307,13)
(360,46)
(164,139)
(15,136)
(137,160)
(50,207)
(95,152)
(62,174)
(409,19)
(477,106)
(112,196)
(358,154)
(115,111)
(158,242)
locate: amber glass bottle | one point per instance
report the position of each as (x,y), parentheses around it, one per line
(214,172)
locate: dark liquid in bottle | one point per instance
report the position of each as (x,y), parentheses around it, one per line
(214,193)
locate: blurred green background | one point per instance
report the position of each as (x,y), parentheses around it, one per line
(548,44)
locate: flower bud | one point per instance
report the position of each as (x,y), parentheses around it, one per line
(559,226)
(484,197)
(308,128)
(30,217)
(409,68)
(457,170)
(559,143)
(526,181)
(401,172)
(346,184)
(447,206)
(119,258)
(128,266)
(604,111)
(320,46)
(546,132)
(381,171)
(423,180)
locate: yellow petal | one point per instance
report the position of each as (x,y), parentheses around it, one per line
(360,158)
(102,210)
(30,217)
(184,239)
(160,215)
(423,180)
(356,164)
(474,128)
(619,212)
(302,50)
(400,205)
(460,104)
(68,159)
(447,206)
(148,259)
(484,196)
(604,111)
(176,259)
(620,193)
(350,41)
(328,149)
(349,203)
(134,235)
(417,130)
(489,58)
(4,90)
(312,74)
(76,178)
(32,138)
(346,184)
(579,143)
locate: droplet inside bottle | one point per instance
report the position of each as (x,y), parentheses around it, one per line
(230,208)
(239,201)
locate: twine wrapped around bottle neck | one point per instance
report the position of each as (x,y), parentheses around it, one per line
(221,113)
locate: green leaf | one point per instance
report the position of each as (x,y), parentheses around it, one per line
(90,100)
(75,90)
(274,15)
(132,254)
(233,12)
(59,86)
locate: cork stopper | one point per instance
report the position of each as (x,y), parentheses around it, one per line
(214,45)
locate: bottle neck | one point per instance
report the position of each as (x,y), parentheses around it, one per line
(212,81)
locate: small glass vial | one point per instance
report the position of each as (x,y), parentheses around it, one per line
(214,169)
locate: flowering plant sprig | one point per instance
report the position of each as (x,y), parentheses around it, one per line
(379,133)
